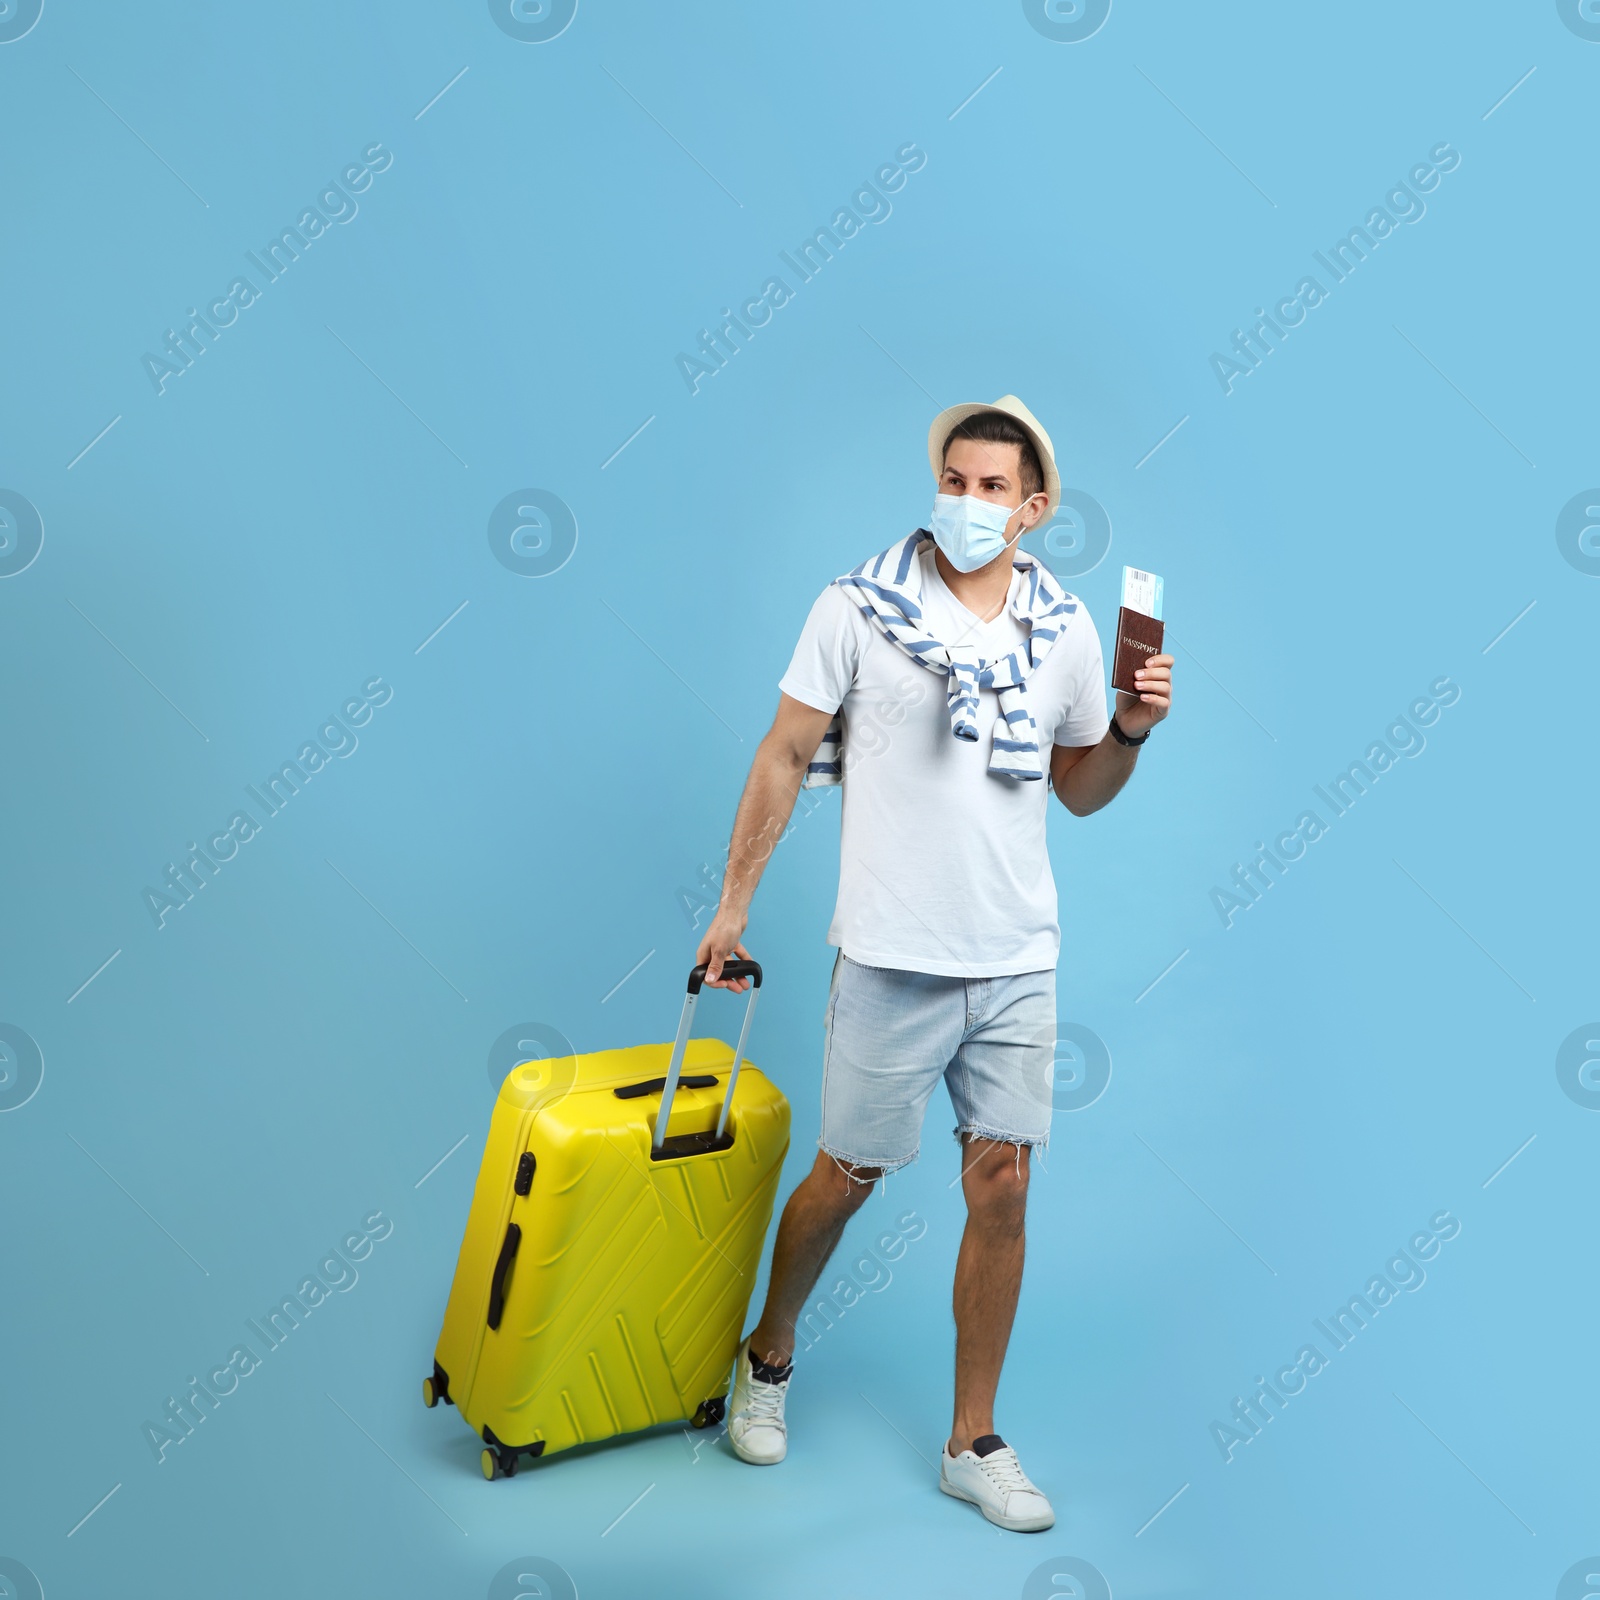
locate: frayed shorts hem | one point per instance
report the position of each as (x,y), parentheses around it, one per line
(977,1130)
(849,1164)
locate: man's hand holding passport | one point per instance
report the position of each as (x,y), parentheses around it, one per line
(1139,671)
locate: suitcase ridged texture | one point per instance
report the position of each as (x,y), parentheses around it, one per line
(624,1303)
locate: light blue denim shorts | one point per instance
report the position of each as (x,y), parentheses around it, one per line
(891,1035)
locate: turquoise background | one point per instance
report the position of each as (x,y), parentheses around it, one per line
(542,803)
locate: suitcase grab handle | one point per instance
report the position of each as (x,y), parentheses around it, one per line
(497,1285)
(693,1080)
(738,968)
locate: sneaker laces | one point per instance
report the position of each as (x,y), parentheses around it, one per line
(766,1403)
(1004,1471)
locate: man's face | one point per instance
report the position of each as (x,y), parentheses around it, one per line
(991,472)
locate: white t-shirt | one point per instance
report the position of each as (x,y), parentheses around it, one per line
(942,868)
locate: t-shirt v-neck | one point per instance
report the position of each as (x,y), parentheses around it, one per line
(952,623)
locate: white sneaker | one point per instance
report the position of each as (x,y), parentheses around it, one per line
(993,1480)
(755,1417)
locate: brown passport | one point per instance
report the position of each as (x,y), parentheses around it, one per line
(1138,638)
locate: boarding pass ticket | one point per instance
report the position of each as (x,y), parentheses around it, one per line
(1141,592)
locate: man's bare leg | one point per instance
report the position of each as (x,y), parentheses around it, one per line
(813,1222)
(988,1279)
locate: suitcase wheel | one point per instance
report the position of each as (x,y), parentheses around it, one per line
(498,1464)
(711,1411)
(436,1387)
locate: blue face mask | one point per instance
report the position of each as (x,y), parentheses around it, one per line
(971,532)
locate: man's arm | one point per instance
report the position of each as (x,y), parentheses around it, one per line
(764,809)
(1086,777)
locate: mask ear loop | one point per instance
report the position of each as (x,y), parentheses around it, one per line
(1012,543)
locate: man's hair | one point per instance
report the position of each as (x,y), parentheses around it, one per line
(995,427)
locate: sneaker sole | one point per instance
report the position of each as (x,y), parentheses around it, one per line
(756,1461)
(1010,1524)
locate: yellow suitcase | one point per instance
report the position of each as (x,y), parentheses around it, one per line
(613,1242)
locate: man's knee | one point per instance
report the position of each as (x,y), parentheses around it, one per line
(995,1183)
(842,1185)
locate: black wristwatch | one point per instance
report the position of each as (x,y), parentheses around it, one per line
(1122,738)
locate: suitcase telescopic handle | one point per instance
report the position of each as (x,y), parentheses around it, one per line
(730,969)
(737,968)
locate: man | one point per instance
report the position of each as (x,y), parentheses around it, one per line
(946,917)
